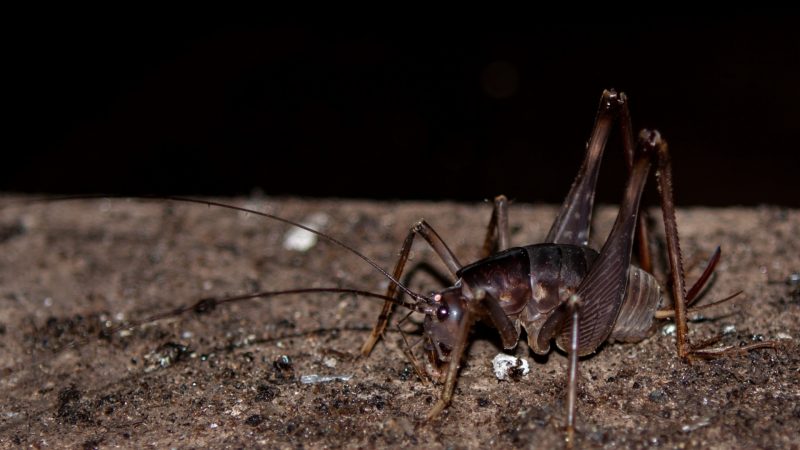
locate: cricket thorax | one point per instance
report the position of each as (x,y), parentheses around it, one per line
(556,272)
(530,283)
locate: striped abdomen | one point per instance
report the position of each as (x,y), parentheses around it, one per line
(642,299)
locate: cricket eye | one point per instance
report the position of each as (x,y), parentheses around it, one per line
(442,312)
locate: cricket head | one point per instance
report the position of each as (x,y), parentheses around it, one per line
(443,322)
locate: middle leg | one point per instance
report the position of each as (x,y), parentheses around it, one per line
(497,235)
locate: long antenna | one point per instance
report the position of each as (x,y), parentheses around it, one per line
(207,305)
(329,238)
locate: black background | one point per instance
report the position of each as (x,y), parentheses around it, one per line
(398,110)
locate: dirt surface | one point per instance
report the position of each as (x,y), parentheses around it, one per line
(72,271)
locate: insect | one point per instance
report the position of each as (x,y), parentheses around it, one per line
(560,290)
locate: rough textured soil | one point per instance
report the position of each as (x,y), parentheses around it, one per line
(70,271)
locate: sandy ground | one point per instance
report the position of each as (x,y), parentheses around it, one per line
(71,271)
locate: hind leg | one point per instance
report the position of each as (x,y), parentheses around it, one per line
(684,347)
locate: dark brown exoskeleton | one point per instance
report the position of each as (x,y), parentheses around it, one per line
(561,289)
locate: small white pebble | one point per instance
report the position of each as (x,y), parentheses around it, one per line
(236,411)
(301,240)
(329,362)
(783,335)
(728,329)
(505,365)
(213,425)
(668,329)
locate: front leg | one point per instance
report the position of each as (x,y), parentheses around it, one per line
(452,366)
(429,234)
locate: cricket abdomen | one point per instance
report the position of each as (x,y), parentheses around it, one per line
(642,300)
